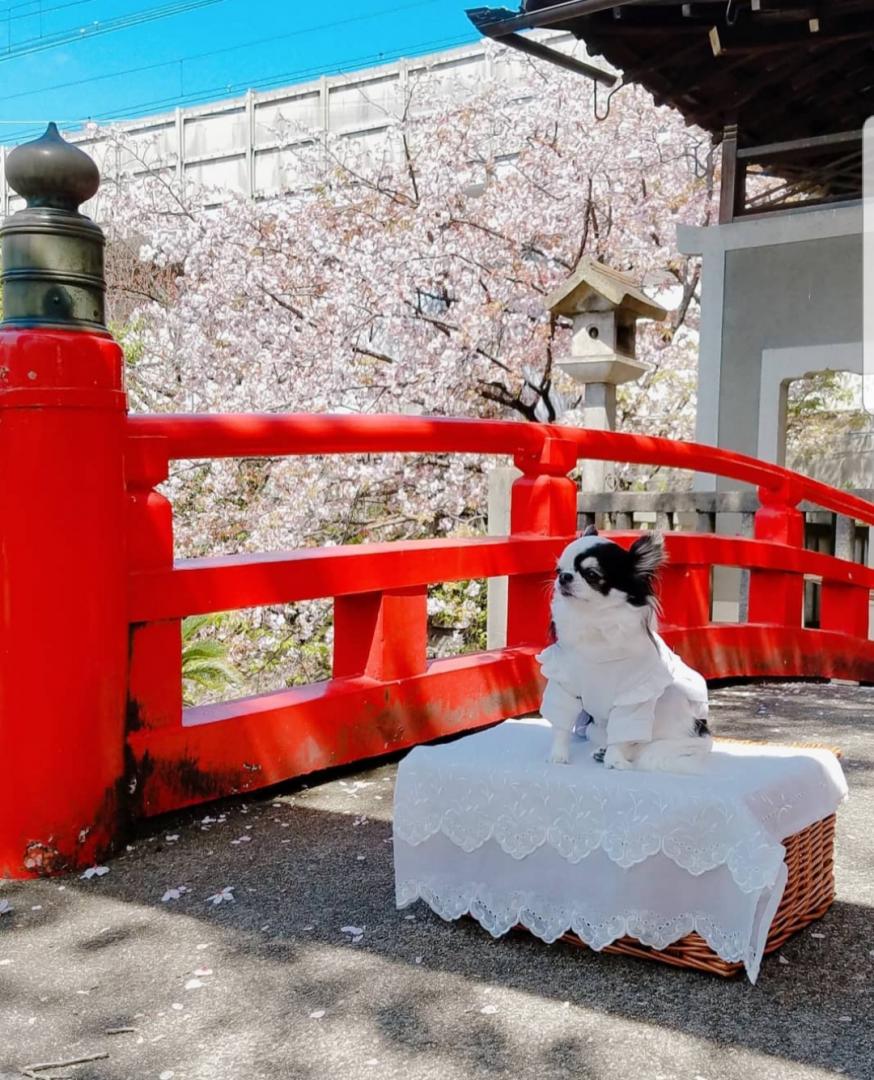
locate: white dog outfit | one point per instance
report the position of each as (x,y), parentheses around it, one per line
(634,690)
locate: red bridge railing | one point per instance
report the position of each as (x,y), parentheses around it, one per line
(102,737)
(385,695)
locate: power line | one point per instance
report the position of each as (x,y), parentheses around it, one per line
(7,16)
(291,76)
(354,63)
(219,52)
(111,26)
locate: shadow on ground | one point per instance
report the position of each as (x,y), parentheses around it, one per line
(270,985)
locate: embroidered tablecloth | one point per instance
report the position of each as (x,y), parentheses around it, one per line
(485,826)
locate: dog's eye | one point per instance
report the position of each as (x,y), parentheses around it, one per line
(591,577)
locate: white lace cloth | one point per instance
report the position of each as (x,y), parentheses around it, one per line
(485,826)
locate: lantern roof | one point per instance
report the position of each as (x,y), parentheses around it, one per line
(594,279)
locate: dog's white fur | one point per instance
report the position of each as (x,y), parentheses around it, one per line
(607,652)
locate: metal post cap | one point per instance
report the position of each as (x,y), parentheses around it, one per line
(52,255)
(52,172)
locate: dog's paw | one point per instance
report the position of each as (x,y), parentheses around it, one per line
(560,754)
(615,759)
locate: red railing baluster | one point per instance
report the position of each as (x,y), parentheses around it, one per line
(844,608)
(63,629)
(543,501)
(684,595)
(777,596)
(155,681)
(381,634)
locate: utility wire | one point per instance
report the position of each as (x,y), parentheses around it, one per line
(122,22)
(7,16)
(217,92)
(290,77)
(287,78)
(225,49)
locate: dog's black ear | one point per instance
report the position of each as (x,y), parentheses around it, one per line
(648,554)
(590,531)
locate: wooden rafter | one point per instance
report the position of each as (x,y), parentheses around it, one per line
(666,47)
(785,70)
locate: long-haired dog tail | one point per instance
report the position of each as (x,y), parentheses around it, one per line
(675,755)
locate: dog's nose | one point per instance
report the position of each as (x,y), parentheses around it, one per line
(565,578)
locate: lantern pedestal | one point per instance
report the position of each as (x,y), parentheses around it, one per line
(604,306)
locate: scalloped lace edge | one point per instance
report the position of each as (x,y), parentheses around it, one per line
(549,922)
(748,874)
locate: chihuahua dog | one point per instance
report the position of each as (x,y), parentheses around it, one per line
(646,708)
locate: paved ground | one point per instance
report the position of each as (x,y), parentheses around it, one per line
(269,987)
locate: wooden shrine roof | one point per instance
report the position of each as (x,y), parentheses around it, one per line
(783,70)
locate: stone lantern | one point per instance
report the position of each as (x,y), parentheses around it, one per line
(604,307)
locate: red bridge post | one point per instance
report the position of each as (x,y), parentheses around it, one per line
(63,633)
(776,596)
(154,692)
(543,501)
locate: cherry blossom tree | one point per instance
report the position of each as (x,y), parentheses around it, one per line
(407,276)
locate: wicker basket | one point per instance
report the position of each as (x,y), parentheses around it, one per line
(809,893)
(810,890)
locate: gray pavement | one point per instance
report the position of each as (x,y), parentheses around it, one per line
(270,987)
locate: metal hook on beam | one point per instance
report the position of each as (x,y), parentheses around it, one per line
(614,90)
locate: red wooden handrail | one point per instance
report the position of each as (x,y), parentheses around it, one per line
(269,435)
(272,435)
(230,582)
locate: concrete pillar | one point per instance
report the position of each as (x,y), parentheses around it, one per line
(599,412)
(500,485)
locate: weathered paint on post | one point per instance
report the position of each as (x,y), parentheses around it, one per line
(63,619)
(63,631)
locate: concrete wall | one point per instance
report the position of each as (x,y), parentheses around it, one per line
(799,294)
(251,144)
(770,285)
(781,298)
(847,461)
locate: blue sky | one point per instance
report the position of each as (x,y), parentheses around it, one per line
(51,51)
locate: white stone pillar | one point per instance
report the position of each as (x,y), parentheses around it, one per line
(500,485)
(599,412)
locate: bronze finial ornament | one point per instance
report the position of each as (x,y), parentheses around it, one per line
(52,255)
